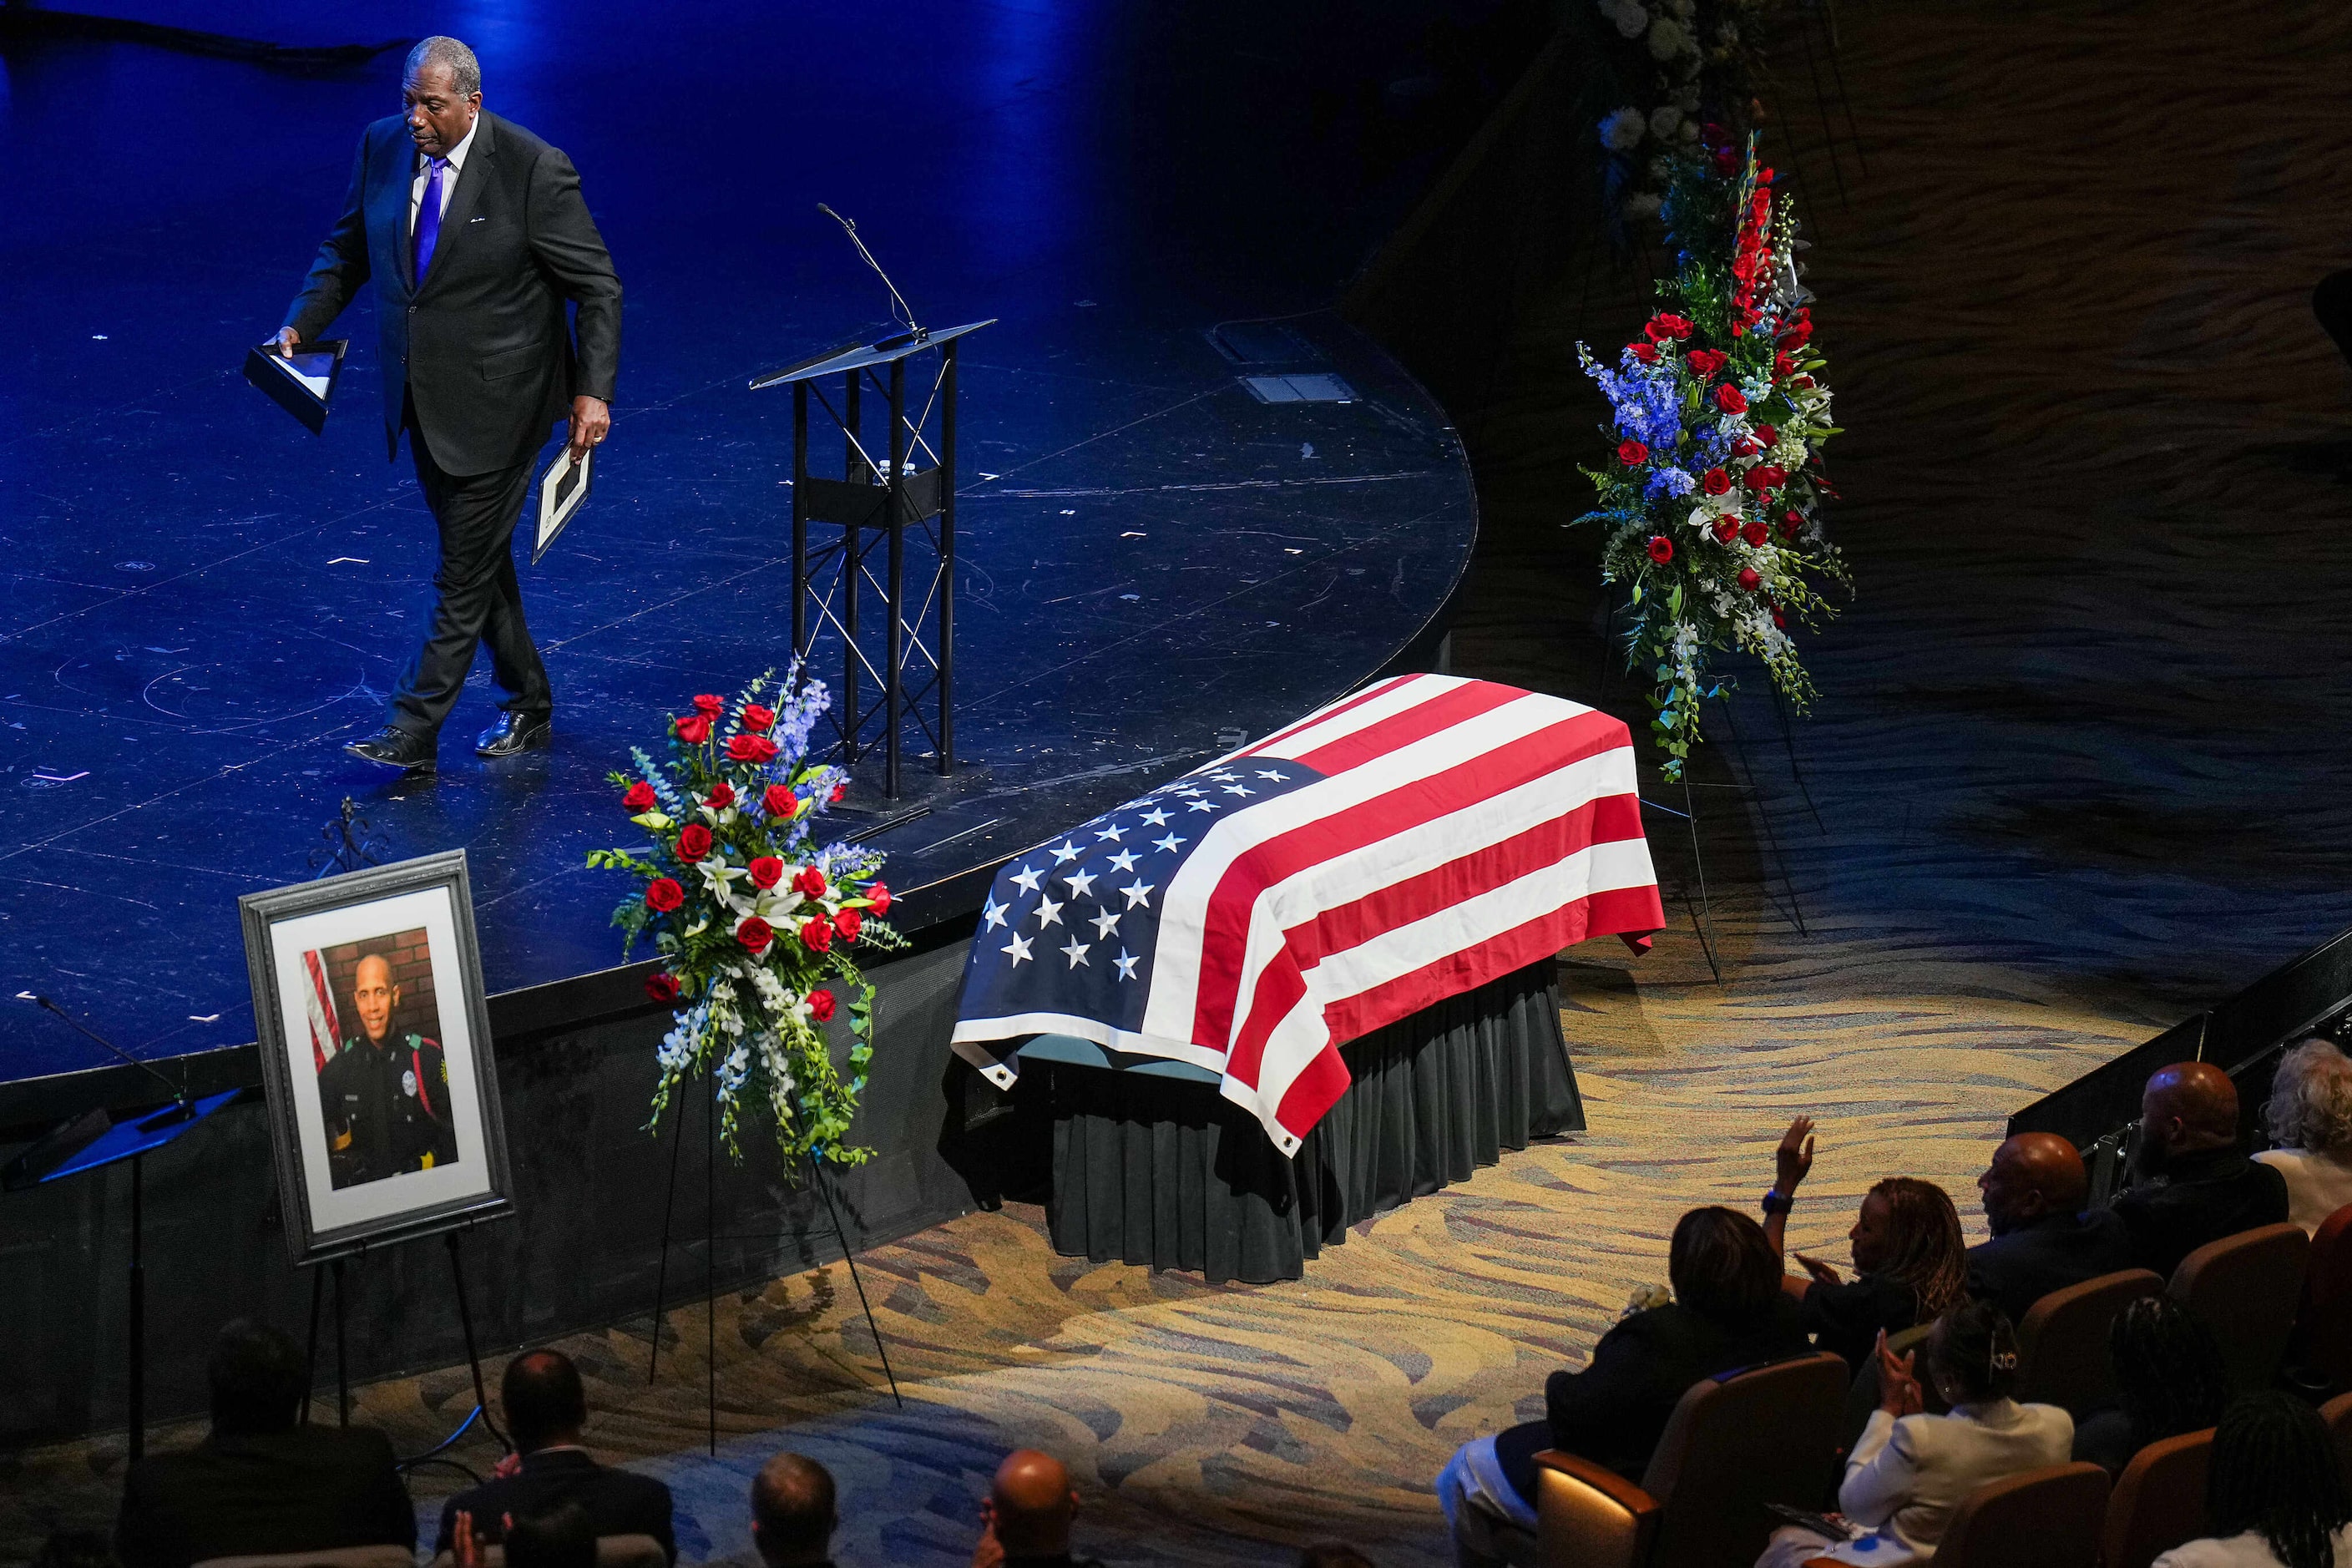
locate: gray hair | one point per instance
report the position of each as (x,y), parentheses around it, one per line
(2310,1105)
(439,50)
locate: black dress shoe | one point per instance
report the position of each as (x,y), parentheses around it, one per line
(395,747)
(513,734)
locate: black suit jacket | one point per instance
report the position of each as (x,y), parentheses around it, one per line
(2014,1271)
(2204,1197)
(480,343)
(618,1502)
(1616,1409)
(303,1491)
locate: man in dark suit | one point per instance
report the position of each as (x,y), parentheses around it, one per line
(474,232)
(546,1407)
(2043,1240)
(260,1482)
(793,1514)
(2197,1185)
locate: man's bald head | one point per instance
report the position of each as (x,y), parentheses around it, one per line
(792,1511)
(374,996)
(2032,1175)
(1033,1504)
(2185,1109)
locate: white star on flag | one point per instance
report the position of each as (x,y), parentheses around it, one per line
(1112,834)
(1139,892)
(1065,852)
(1171,844)
(1049,913)
(995,914)
(1239,789)
(1019,948)
(1104,923)
(1155,817)
(1077,952)
(1027,879)
(1125,964)
(1270,773)
(1081,883)
(1123,861)
(1202,805)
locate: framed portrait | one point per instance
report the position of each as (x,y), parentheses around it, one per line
(375,1056)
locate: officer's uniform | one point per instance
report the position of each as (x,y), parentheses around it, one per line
(386,1109)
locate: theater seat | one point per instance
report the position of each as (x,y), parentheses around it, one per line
(2159,1501)
(2338,1414)
(2246,1288)
(2050,1518)
(612,1551)
(2322,1345)
(1733,1443)
(329,1557)
(2061,1344)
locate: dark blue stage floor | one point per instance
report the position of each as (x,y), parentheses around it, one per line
(203,602)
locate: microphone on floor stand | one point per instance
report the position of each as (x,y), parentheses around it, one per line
(182,1111)
(900,310)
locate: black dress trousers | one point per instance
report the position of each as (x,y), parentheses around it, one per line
(478,600)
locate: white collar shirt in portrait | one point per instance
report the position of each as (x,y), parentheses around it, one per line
(448,181)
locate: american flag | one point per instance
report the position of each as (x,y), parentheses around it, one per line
(1398,846)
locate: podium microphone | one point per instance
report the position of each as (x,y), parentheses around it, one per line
(179,1091)
(899,310)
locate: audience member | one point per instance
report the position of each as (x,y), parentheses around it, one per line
(1333,1555)
(1025,1519)
(2309,1119)
(2171,1378)
(1910,1261)
(1910,1470)
(2043,1239)
(546,1407)
(260,1482)
(557,1536)
(2200,1187)
(2274,1495)
(793,1513)
(1729,1311)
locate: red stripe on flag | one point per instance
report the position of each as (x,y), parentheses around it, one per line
(1226,923)
(1419,722)
(1323,714)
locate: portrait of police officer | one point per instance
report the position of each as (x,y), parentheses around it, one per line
(384,1096)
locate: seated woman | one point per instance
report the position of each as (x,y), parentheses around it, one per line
(2274,1494)
(1728,1312)
(2309,1119)
(1910,1260)
(1910,1470)
(2171,1378)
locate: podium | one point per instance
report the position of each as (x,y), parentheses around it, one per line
(901,675)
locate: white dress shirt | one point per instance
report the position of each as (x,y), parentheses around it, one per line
(449,178)
(1906,1476)
(2247,1550)
(2318,1182)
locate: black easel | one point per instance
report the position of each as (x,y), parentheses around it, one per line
(710,1239)
(334,1270)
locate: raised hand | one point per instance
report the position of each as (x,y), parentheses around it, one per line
(1898,1389)
(1817,1268)
(1794,1158)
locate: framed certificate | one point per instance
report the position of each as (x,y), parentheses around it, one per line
(562,489)
(301,384)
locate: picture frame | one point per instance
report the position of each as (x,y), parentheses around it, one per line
(376,1060)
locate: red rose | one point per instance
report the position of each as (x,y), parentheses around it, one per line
(880,895)
(1796,337)
(1646,352)
(1745,447)
(1765,477)
(809,883)
(1766,434)
(1727,398)
(1783,364)
(694,728)
(693,842)
(1756,534)
(1791,523)
(817,935)
(1715,482)
(750,749)
(821,1006)
(838,791)
(767,871)
(1778,618)
(722,795)
(1706,362)
(780,802)
(849,923)
(1633,454)
(710,706)
(641,797)
(1662,548)
(1727,529)
(1680,326)
(1749,580)
(663,895)
(755,934)
(662,986)
(1654,328)
(758,718)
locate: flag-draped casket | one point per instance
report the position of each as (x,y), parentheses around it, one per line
(1395,848)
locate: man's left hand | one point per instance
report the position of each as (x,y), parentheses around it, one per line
(592,421)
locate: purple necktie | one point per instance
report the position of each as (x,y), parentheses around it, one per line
(428,220)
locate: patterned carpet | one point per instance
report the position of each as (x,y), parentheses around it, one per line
(2077,764)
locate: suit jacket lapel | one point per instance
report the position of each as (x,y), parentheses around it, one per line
(388,205)
(462,201)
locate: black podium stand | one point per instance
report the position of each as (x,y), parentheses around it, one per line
(885,493)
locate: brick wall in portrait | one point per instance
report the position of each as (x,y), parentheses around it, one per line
(411,970)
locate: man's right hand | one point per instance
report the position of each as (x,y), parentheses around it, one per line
(289,340)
